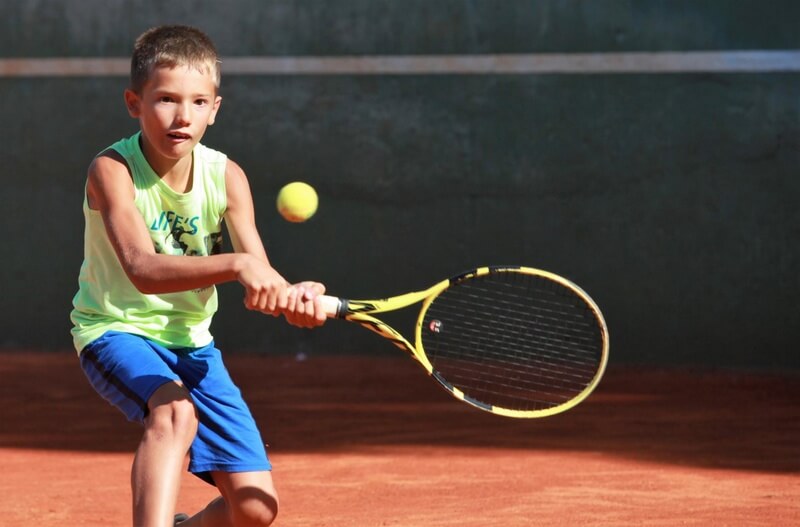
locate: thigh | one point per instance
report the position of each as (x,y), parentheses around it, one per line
(126,370)
(228,439)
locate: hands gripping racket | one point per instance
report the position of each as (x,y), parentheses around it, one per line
(513,341)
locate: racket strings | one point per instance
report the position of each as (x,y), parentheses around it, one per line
(561,333)
(513,340)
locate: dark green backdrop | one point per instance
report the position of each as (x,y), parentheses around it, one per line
(671,198)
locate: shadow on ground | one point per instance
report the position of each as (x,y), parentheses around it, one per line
(709,419)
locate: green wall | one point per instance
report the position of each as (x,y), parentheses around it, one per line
(671,198)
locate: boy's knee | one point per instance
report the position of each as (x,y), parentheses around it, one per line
(172,411)
(184,415)
(256,511)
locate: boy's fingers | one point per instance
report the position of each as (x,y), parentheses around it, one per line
(319,312)
(286,299)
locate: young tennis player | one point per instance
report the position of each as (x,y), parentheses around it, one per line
(154,207)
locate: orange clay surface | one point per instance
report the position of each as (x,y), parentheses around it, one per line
(362,442)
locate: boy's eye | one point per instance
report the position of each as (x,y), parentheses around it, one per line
(201,102)
(165,99)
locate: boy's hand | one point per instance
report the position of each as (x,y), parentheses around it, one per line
(265,289)
(268,292)
(303,307)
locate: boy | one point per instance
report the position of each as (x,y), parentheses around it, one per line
(153,208)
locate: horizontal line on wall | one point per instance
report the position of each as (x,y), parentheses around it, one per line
(499,64)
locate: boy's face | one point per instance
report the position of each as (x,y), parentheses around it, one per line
(174,108)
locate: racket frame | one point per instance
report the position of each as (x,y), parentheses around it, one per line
(361,311)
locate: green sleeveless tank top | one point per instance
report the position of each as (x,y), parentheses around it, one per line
(187,224)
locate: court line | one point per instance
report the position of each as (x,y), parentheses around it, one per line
(505,64)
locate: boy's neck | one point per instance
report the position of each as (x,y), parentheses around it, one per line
(176,173)
(179,176)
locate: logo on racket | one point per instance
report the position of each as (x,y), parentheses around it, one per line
(435,326)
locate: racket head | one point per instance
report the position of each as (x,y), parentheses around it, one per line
(513,341)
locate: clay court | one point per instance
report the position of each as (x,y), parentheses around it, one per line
(362,442)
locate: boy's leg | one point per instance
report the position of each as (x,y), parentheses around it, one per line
(133,374)
(228,450)
(170,427)
(248,499)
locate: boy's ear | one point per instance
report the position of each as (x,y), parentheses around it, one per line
(213,116)
(133,103)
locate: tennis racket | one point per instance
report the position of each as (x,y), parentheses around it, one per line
(513,341)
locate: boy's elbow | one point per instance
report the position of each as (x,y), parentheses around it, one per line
(145,287)
(141,282)
(138,273)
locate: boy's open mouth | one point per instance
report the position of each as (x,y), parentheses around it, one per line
(178,135)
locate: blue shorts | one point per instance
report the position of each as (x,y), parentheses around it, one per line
(127,369)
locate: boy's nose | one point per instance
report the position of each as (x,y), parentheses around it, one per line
(183,115)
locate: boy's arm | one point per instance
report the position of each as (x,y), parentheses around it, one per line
(299,302)
(110,191)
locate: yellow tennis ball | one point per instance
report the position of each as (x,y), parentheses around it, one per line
(297,201)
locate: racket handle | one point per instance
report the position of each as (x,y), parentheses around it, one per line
(334,307)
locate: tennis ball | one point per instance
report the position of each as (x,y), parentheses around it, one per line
(297,201)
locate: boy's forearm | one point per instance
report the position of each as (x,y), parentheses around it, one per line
(161,273)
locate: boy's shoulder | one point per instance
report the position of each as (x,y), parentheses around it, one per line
(108,160)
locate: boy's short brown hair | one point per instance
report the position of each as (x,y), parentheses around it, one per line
(172,46)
